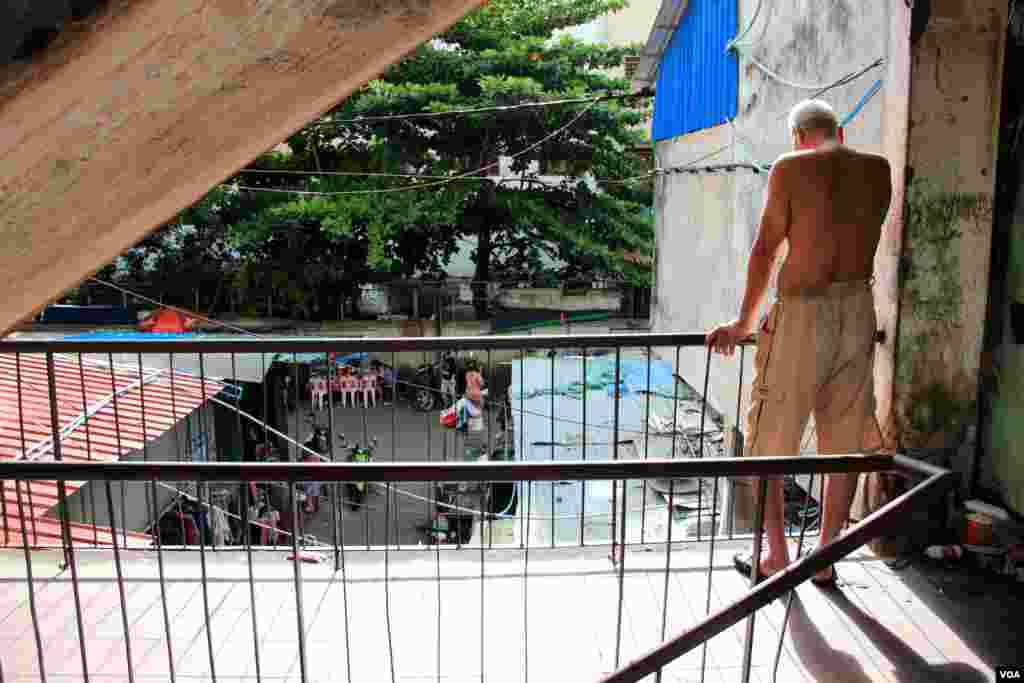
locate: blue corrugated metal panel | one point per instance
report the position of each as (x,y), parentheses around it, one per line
(697,78)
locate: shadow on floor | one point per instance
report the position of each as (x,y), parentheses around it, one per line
(826,663)
(984,609)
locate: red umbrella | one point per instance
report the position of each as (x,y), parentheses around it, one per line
(168,320)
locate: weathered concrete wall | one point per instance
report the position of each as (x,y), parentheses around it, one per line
(707,223)
(955,90)
(135,112)
(557,300)
(702,248)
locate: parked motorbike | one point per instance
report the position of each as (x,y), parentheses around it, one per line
(358,453)
(431,380)
(440,382)
(457,504)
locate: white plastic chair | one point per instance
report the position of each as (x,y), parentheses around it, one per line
(318,387)
(368,384)
(349,387)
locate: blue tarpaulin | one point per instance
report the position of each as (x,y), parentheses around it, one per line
(129,335)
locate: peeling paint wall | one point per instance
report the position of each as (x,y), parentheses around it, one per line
(706,224)
(955,90)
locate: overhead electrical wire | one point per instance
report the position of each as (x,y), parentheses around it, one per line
(738,38)
(433,184)
(493,109)
(418,176)
(473,176)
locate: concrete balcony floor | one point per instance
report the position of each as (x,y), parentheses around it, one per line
(876,628)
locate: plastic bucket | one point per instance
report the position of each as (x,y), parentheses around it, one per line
(978,529)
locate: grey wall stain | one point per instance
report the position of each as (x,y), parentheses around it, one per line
(839,15)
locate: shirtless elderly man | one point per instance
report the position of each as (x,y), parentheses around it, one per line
(815,347)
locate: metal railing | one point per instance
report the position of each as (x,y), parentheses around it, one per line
(389,474)
(558,411)
(476,483)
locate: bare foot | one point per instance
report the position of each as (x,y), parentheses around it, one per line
(826,577)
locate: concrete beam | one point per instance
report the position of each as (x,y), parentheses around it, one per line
(134,112)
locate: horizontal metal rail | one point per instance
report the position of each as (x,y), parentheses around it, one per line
(939,481)
(240,344)
(444,471)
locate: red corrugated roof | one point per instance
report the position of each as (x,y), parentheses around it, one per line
(99,419)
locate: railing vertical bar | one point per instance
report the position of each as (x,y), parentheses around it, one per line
(344,584)
(31,505)
(430,445)
(67,539)
(145,434)
(553,354)
(486,403)
(266,401)
(28,484)
(737,444)
(482,581)
(335,489)
(671,506)
(28,576)
(297,574)
(525,535)
(364,509)
(647,422)
(246,522)
(755,564)
(163,583)
(615,500)
(700,447)
(120,578)
(394,457)
(583,484)
(117,434)
(524,522)
(298,513)
(179,451)
(88,449)
(789,597)
(3,499)
(204,529)
(24,450)
(620,556)
(437,562)
(387,581)
(152,498)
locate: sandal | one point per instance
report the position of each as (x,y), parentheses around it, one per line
(743,564)
(829,583)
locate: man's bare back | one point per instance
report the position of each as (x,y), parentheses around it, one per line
(838,199)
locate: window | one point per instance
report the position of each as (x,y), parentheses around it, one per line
(630,64)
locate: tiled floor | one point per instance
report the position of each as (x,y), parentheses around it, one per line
(875,629)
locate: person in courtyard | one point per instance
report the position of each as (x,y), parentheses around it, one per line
(386,378)
(815,347)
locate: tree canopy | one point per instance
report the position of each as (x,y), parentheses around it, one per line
(350,229)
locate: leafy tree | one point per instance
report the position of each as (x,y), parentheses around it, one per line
(505,53)
(307,252)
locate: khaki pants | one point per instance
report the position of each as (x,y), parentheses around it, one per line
(815,355)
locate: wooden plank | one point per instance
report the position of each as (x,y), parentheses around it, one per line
(139,110)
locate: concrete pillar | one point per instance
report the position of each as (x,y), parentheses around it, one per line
(942,107)
(956,76)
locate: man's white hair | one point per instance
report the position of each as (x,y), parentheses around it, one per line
(813,115)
